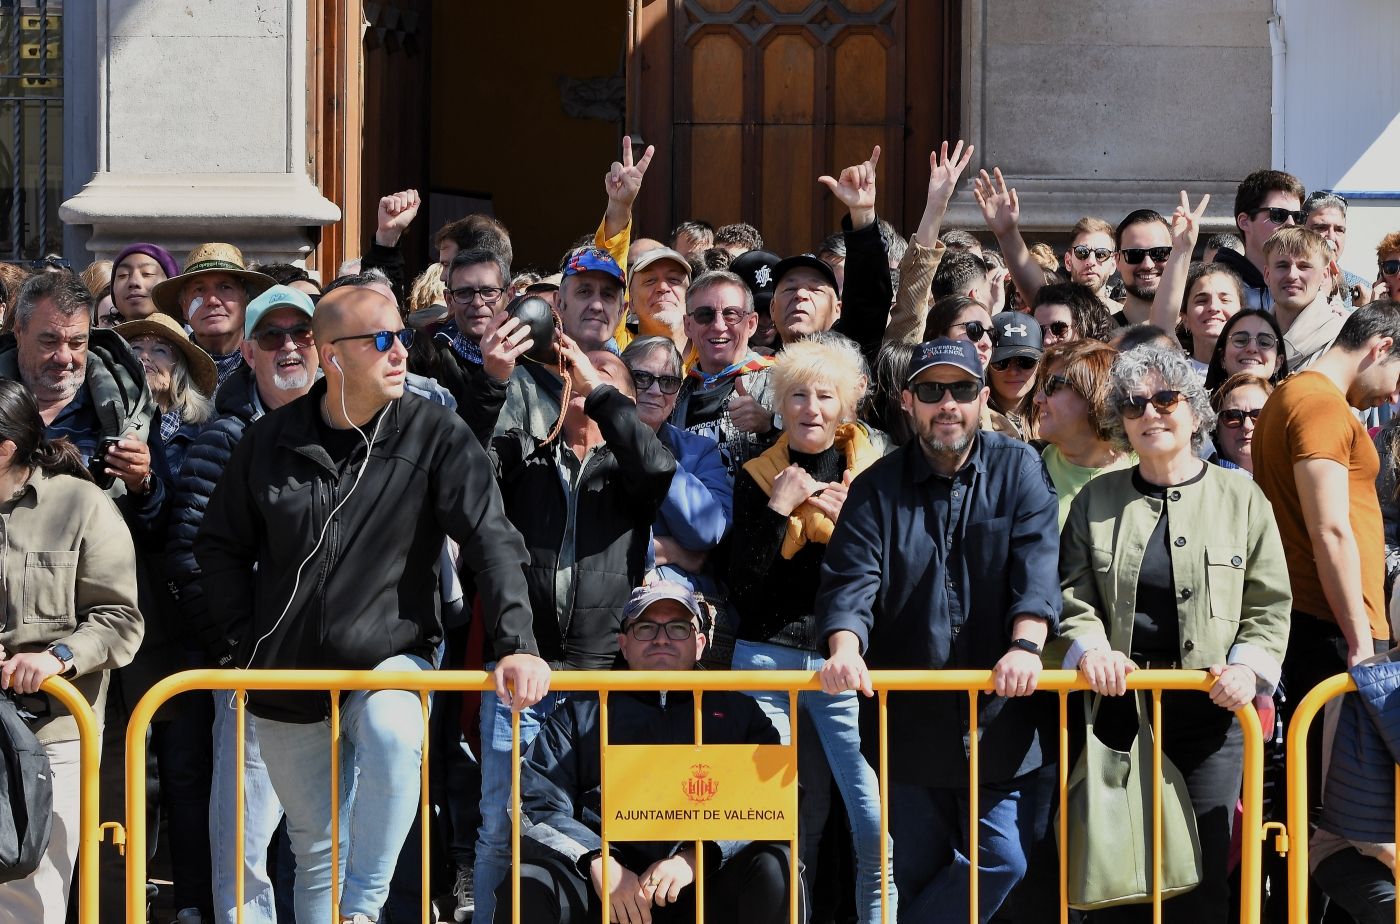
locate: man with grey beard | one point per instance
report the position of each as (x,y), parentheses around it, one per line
(954,509)
(280,364)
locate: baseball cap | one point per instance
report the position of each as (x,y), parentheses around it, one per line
(944,352)
(1017,335)
(756,268)
(278,296)
(656,255)
(804,261)
(591,259)
(644,596)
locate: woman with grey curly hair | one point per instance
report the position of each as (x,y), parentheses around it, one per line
(1176,563)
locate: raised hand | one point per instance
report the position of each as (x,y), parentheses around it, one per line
(624,179)
(945,171)
(1001,209)
(505,341)
(396,213)
(1186,223)
(856,189)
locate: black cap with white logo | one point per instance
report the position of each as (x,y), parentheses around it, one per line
(1017,334)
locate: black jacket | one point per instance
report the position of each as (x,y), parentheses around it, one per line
(609,515)
(561,780)
(868,291)
(468,383)
(370,590)
(203,467)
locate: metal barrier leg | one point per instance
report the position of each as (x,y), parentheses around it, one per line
(425,813)
(884,806)
(973,812)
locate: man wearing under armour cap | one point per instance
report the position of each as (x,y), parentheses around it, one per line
(1011,369)
(976,511)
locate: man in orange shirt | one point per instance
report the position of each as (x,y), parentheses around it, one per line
(1317,465)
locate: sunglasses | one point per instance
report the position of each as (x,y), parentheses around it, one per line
(1234,417)
(964,392)
(1060,329)
(1318,194)
(1024,363)
(1054,383)
(1279,215)
(1083,252)
(272,339)
(1242,339)
(111,318)
(1135,406)
(467,294)
(648,631)
(1390,267)
(706,316)
(976,330)
(1134,255)
(383,339)
(669,384)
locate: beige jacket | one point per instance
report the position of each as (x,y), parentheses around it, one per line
(911,301)
(68,575)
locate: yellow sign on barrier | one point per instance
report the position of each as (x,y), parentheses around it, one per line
(744,792)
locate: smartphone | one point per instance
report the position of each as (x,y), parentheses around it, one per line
(97,465)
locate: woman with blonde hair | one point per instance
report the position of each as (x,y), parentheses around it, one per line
(182,379)
(786,504)
(427,292)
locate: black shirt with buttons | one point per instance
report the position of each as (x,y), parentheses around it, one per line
(1156,624)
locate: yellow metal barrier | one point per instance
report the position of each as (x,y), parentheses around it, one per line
(89,828)
(603,682)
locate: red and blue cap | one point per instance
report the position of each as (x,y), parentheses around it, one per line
(593,260)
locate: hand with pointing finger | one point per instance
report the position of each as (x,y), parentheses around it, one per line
(856,189)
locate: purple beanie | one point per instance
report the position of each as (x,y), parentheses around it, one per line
(156,253)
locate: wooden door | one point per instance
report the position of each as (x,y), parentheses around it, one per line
(760,97)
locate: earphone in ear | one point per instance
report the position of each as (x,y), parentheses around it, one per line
(335,361)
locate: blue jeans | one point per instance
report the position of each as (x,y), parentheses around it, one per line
(932,865)
(381,758)
(493,837)
(836,721)
(262,813)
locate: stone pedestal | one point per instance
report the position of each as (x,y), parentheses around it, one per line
(202,129)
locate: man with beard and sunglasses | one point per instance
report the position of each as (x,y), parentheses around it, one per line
(1265,201)
(292,552)
(280,365)
(946,556)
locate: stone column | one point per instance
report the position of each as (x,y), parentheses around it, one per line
(202,129)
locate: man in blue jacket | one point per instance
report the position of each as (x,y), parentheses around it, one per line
(953,510)
(663,629)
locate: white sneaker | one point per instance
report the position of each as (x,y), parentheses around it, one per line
(189,916)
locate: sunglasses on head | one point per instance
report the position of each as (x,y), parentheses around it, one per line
(976,330)
(648,631)
(1083,252)
(1024,363)
(669,384)
(1242,339)
(1390,267)
(706,316)
(1234,417)
(271,339)
(964,392)
(1059,328)
(1279,215)
(383,339)
(1134,406)
(1054,383)
(1134,255)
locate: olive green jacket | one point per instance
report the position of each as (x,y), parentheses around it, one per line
(68,574)
(1233,595)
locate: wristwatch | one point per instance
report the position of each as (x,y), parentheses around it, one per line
(1025,644)
(64,654)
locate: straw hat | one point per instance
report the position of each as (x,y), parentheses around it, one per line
(202,368)
(208,258)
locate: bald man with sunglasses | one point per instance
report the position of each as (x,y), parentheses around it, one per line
(319,549)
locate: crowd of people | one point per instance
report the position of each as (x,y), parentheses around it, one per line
(1145,451)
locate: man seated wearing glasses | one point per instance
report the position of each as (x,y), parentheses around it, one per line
(727,394)
(1265,201)
(320,549)
(585,503)
(946,556)
(663,628)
